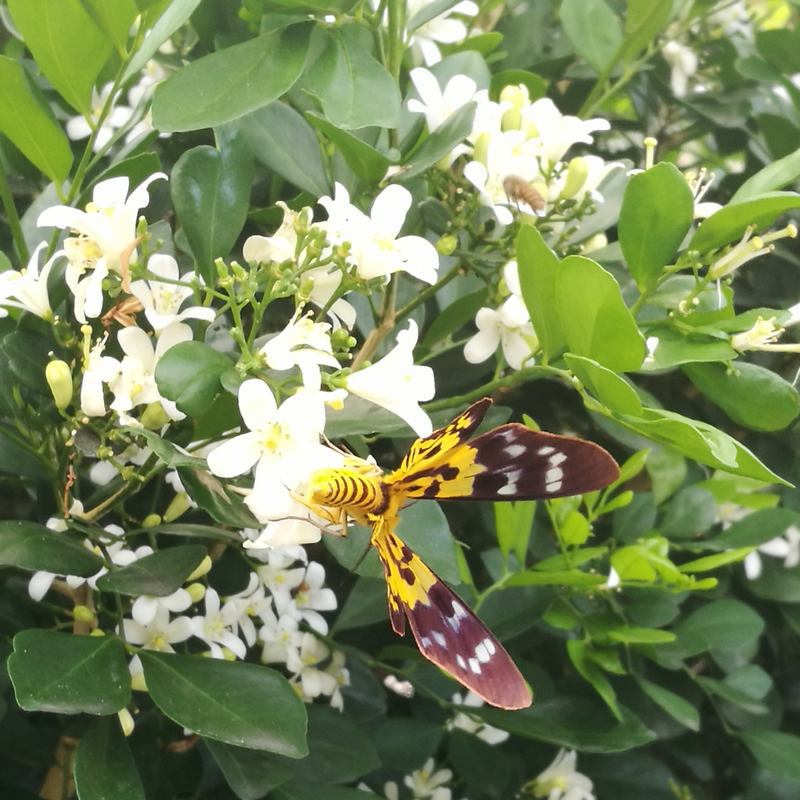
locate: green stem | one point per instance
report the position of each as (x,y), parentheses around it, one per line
(427,292)
(13,219)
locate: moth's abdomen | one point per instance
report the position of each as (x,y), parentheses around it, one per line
(345,488)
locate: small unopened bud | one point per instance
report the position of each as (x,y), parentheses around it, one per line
(196,591)
(222,268)
(151,520)
(125,721)
(447,244)
(97,632)
(394,684)
(179,505)
(138,683)
(239,272)
(203,568)
(577,172)
(650,144)
(341,339)
(84,614)
(481,149)
(59,379)
(154,417)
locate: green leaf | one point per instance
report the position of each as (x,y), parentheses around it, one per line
(191,530)
(630,634)
(284,142)
(19,458)
(27,354)
(453,317)
(158,574)
(68,674)
(211,194)
(571,722)
(772,177)
(657,211)
(28,122)
(729,223)
(579,655)
(610,389)
(365,605)
(439,143)
(775,751)
(535,84)
(67,45)
(169,453)
(242,704)
(174,15)
(594,30)
(189,374)
(732,695)
(353,88)
(686,347)
(751,395)
(644,19)
(427,12)
(367,163)
(708,563)
(406,743)
(208,492)
(691,512)
(776,583)
(114,19)
(232,82)
(425,529)
(755,529)
(104,766)
(250,773)
(513,523)
(538,272)
(723,624)
(302,791)
(536,577)
(594,318)
(678,708)
(30,546)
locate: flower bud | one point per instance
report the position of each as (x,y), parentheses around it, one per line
(179,505)
(59,379)
(151,520)
(481,149)
(577,172)
(447,244)
(154,417)
(222,268)
(84,614)
(196,591)
(125,721)
(202,569)
(138,683)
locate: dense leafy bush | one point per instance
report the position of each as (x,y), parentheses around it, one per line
(247,242)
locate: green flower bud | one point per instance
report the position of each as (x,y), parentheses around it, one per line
(84,614)
(481,149)
(151,520)
(125,721)
(179,505)
(447,244)
(577,172)
(59,379)
(202,569)
(154,417)
(196,591)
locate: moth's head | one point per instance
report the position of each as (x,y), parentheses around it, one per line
(321,486)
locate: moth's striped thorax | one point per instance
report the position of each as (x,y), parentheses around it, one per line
(359,491)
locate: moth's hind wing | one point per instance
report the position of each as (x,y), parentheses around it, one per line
(447,632)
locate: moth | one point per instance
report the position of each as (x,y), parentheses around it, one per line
(510,462)
(519,190)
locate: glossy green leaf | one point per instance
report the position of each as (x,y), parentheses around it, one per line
(189,374)
(174,15)
(751,395)
(453,317)
(250,773)
(538,269)
(406,743)
(580,656)
(571,722)
(158,574)
(354,89)
(774,176)
(729,223)
(643,20)
(28,122)
(427,12)
(208,492)
(27,353)
(425,529)
(246,705)
(689,513)
(211,193)
(595,320)
(30,546)
(686,347)
(191,530)
(114,19)
(708,563)
(284,142)
(104,766)
(169,453)
(232,82)
(439,143)
(366,162)
(68,46)
(610,389)
(776,583)
(776,751)
(536,577)
(594,30)
(513,523)
(675,705)
(755,529)
(657,212)
(365,605)
(68,674)
(19,458)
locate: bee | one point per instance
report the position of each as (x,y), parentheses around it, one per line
(518,190)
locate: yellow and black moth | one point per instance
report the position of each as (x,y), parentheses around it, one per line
(510,462)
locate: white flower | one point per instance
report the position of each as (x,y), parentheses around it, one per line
(425,39)
(553,133)
(79,127)
(786,547)
(561,781)
(397,384)
(324,282)
(310,597)
(305,666)
(282,443)
(428,782)
(282,638)
(763,335)
(135,384)
(27,288)
(287,523)
(436,104)
(162,301)
(145,607)
(216,626)
(375,250)
(510,327)
(683,64)
(739,254)
(160,634)
(302,343)
(282,245)
(472,725)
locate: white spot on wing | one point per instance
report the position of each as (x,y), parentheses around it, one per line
(515,450)
(425,641)
(511,483)
(460,661)
(481,653)
(458,610)
(553,475)
(558,458)
(553,487)
(546,450)
(475,666)
(490,646)
(438,637)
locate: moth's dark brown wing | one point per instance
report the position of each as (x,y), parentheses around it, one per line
(446,631)
(511,462)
